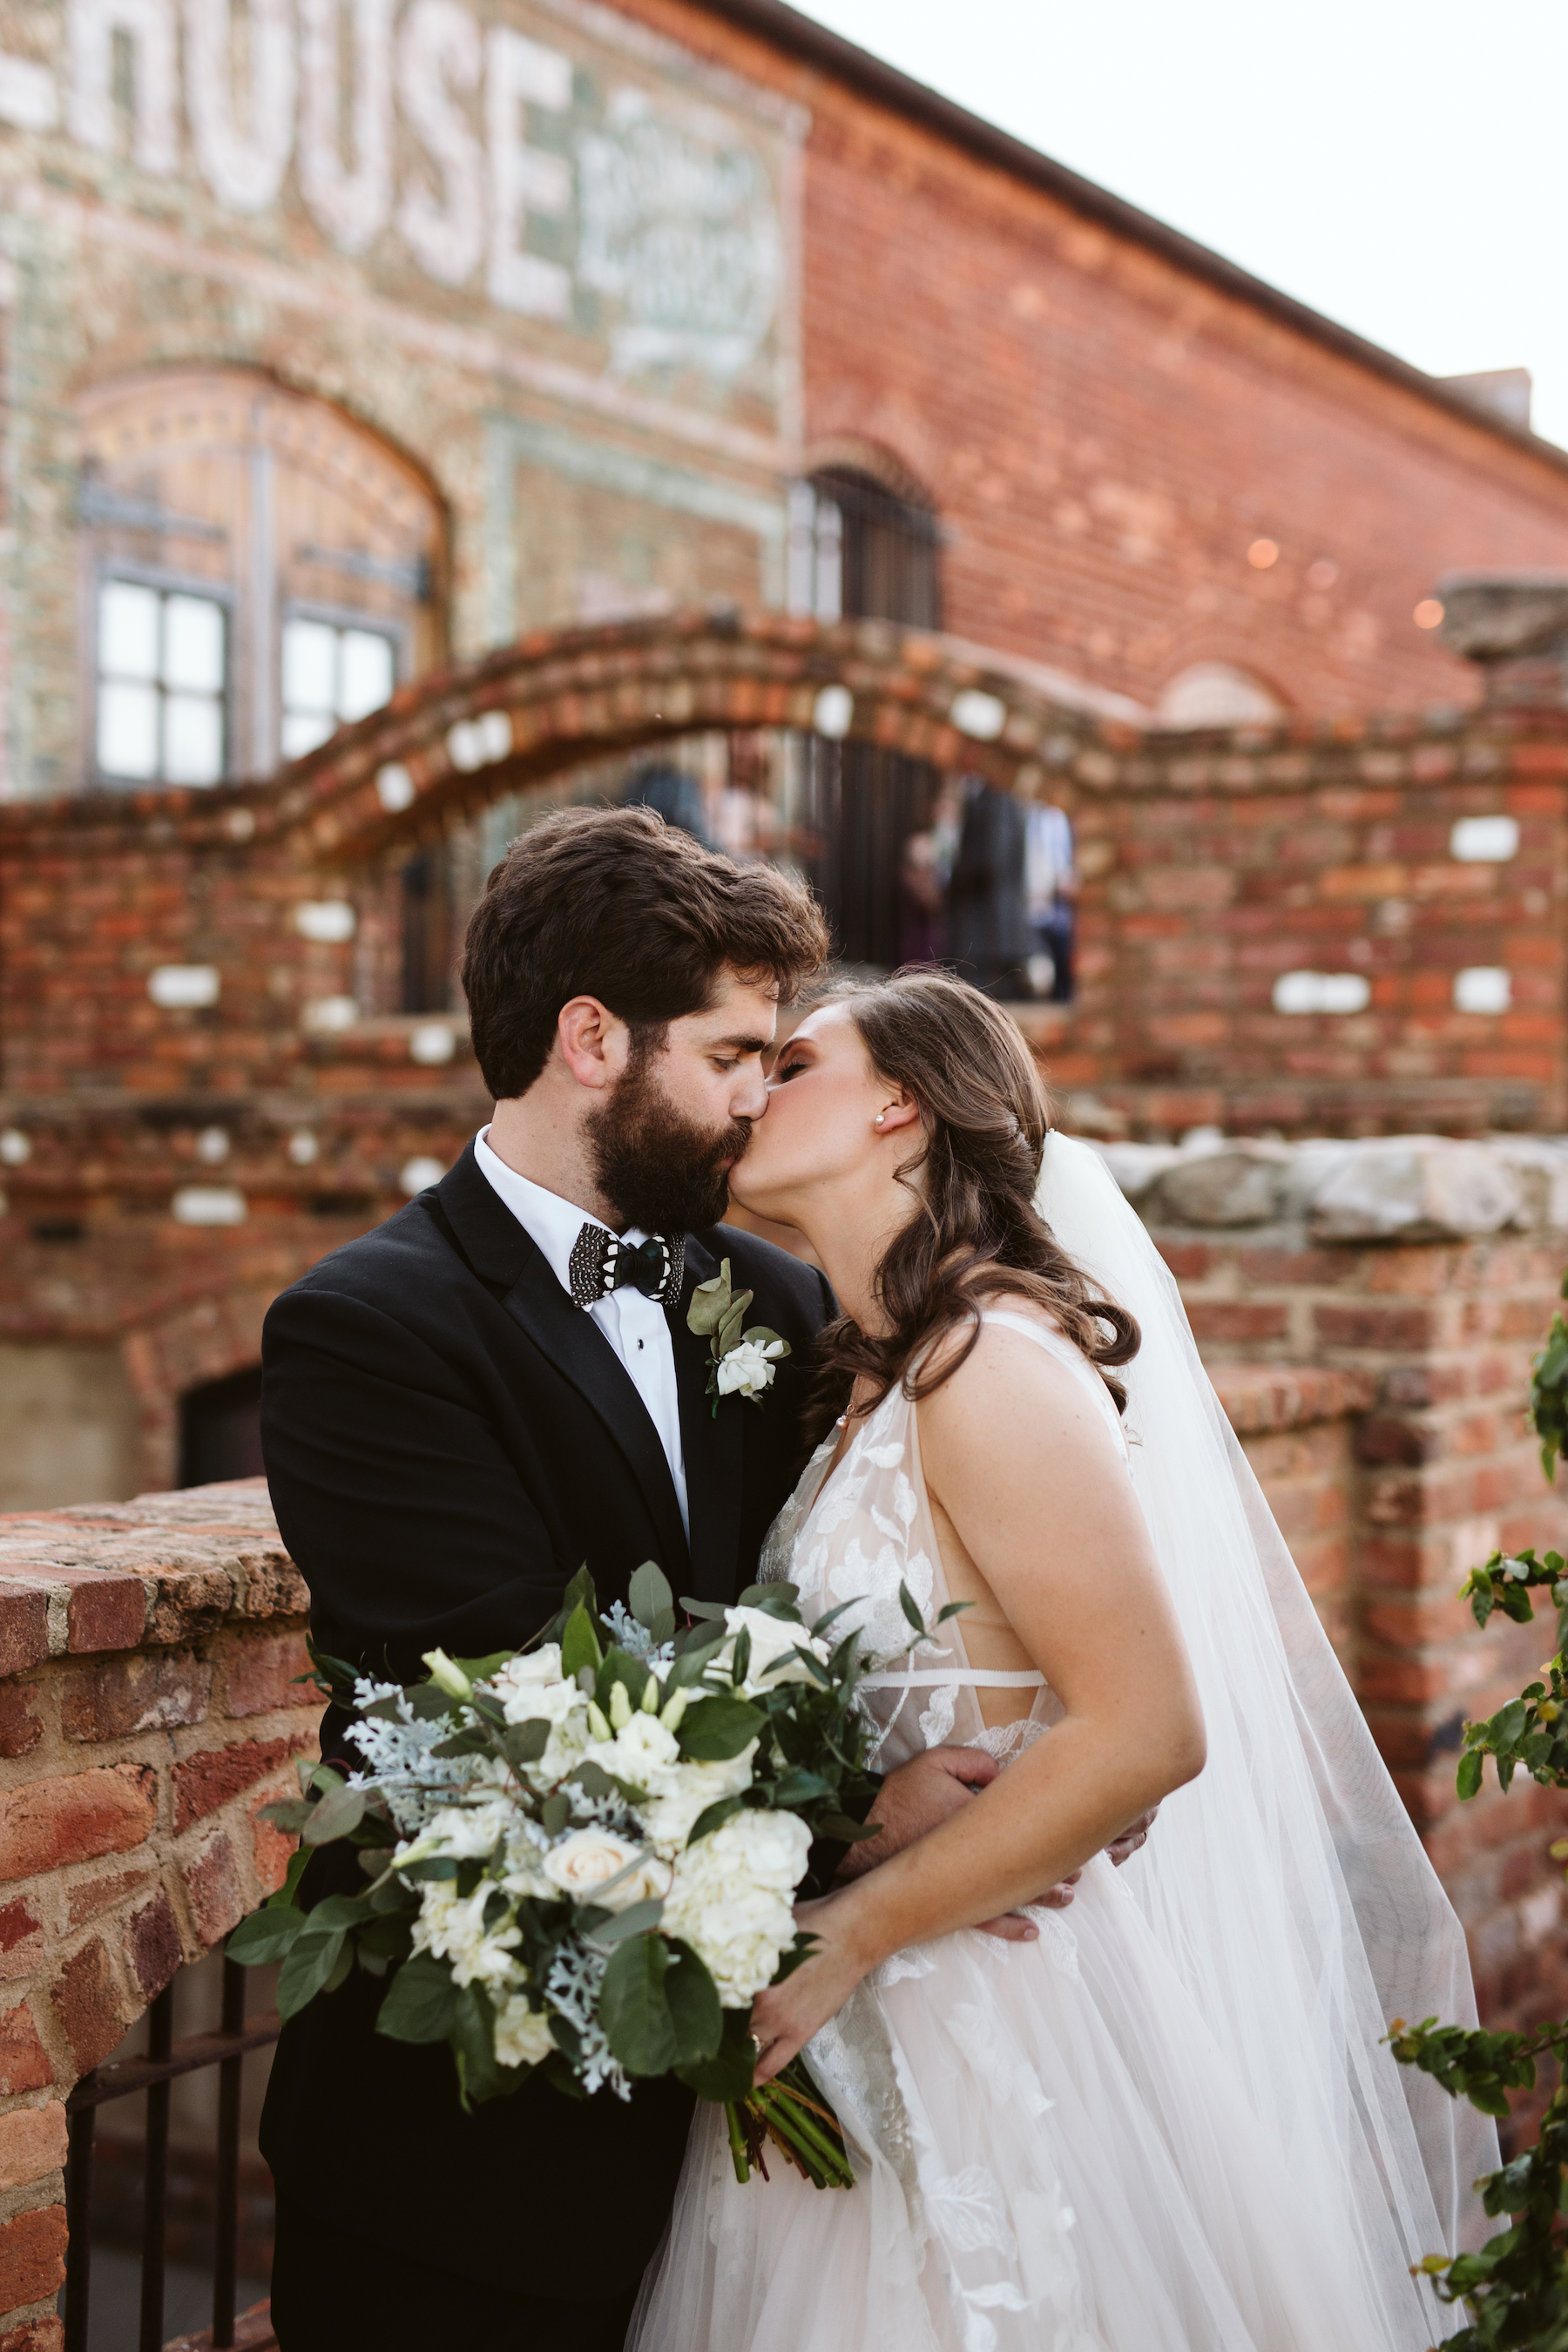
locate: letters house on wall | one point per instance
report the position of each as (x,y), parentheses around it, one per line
(418,411)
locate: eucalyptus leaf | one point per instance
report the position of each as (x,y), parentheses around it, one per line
(525,1743)
(425,1702)
(637,1919)
(310,1961)
(713,1816)
(420,2001)
(336,1814)
(649,1595)
(265,1936)
(759,1596)
(554,1813)
(709,1304)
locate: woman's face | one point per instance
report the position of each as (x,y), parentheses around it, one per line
(819,1128)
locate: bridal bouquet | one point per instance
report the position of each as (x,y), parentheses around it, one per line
(583,1855)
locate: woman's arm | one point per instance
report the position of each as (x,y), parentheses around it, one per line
(1035,1487)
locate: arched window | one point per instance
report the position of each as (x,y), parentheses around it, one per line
(863,546)
(259,569)
(1217,694)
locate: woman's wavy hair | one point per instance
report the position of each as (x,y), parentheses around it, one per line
(975,1233)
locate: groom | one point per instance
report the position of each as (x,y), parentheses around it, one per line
(461,1408)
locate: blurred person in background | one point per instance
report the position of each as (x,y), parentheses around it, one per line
(989,937)
(1051,885)
(922,897)
(672,793)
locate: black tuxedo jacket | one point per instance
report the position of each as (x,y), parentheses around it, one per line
(448,1440)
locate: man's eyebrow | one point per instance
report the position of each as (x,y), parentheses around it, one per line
(747,1045)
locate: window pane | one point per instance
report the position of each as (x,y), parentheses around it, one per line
(303,729)
(193,645)
(310,661)
(127,729)
(127,634)
(365,680)
(192,738)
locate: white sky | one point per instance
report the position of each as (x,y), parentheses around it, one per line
(1399,164)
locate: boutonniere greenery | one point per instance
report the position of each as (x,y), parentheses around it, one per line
(743,1361)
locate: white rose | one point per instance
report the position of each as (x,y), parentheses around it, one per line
(749,1367)
(522,2035)
(541,1665)
(466,1832)
(771,1638)
(542,1702)
(581,1862)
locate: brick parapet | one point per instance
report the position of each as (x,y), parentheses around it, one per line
(148,1711)
(1422,1274)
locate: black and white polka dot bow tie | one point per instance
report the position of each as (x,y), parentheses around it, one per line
(602,1263)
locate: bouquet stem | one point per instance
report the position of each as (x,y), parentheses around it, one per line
(789,2112)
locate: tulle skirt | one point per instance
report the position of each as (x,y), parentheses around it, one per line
(1054,2156)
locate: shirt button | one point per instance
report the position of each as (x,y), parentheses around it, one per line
(640,1343)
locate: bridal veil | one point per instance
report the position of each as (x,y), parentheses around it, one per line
(1287,1881)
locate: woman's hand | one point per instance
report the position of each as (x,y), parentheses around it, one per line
(785,2016)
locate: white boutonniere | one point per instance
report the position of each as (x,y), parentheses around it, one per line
(743,1361)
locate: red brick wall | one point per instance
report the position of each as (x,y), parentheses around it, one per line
(1105,435)
(147,1712)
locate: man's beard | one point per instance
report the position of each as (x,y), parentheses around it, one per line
(662,1171)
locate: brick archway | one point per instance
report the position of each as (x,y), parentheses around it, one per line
(452,743)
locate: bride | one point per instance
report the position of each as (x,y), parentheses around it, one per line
(1165,2123)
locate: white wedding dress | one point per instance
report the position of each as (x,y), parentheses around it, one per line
(1167,2125)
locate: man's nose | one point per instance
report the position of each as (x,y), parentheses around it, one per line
(751,1100)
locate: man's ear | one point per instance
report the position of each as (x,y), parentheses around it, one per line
(595,1044)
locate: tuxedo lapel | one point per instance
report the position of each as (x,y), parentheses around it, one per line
(713,1445)
(503,1253)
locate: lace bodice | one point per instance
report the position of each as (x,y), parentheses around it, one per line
(859,1534)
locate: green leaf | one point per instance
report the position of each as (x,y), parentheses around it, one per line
(420,2002)
(769,1597)
(633,2009)
(425,1702)
(479,1670)
(730,1329)
(472,2036)
(762,1337)
(843,1831)
(716,1728)
(649,1596)
(435,1866)
(340,1968)
(299,1862)
(554,1813)
(580,1644)
(637,1919)
(713,1816)
(1467,1780)
(693,1999)
(692,1664)
(266,1935)
(911,1608)
(709,1304)
(334,1816)
(463,1743)
(728,2074)
(310,1961)
(525,1743)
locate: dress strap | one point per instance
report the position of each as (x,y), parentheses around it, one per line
(977,1677)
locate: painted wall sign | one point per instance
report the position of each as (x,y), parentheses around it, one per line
(545,157)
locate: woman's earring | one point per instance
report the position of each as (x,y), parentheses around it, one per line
(880,1118)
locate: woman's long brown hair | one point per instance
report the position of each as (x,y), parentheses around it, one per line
(975,1233)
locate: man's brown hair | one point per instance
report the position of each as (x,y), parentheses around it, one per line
(616,904)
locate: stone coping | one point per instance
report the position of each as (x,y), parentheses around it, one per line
(1394,1188)
(160,1568)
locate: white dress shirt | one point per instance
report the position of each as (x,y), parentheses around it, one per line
(636,1328)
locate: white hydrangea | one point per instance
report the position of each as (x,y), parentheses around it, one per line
(771,1638)
(673,1813)
(452,1927)
(465,1832)
(732,1899)
(522,2034)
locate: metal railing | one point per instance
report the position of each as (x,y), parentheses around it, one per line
(154,2074)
